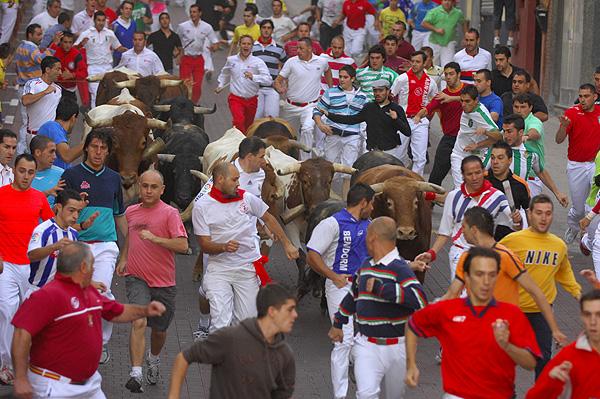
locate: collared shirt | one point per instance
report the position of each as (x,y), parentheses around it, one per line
(493,103)
(146,63)
(241,30)
(44,20)
(537,103)
(46,179)
(335,64)
(82,21)
(163,46)
(413,93)
(43,109)
(469,123)
(272,54)
(330,10)
(291,48)
(503,84)
(418,13)
(469,64)
(28,58)
(233,73)
(388,18)
(6,175)
(124,31)
(583,133)
(50,33)
(252,182)
(99,46)
(304,78)
(367,75)
(58,134)
(536,146)
(193,37)
(450,112)
(356,12)
(339,101)
(521,196)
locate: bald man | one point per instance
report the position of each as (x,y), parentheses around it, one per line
(389,293)
(155,234)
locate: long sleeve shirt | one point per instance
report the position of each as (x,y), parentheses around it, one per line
(382,130)
(335,99)
(241,86)
(146,62)
(28,58)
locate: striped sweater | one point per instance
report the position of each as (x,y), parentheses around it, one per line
(336,101)
(383,312)
(524,163)
(367,76)
(28,58)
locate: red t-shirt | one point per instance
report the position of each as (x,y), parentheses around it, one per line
(450,112)
(584,134)
(474,366)
(111,16)
(20,213)
(65,323)
(356,13)
(291,48)
(148,261)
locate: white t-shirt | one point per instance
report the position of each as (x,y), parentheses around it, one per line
(469,64)
(469,123)
(251,182)
(45,20)
(145,63)
(282,26)
(331,10)
(44,109)
(82,21)
(99,46)
(193,37)
(324,239)
(230,221)
(304,78)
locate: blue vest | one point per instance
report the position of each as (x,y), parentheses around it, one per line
(125,37)
(351,248)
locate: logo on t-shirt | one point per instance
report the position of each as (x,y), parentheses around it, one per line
(84,185)
(35,237)
(470,123)
(244,208)
(74,302)
(459,319)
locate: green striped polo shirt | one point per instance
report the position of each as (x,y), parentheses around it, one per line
(366,76)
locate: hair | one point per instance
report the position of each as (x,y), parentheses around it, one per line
(50,2)
(470,91)
(453,65)
(597,69)
(421,53)
(101,14)
(196,6)
(4,50)
(221,169)
(39,142)
(72,256)
(540,199)
(251,145)
(252,8)
(427,50)
(588,86)
(27,157)
(516,120)
(272,295)
(266,21)
(65,195)
(473,30)
(48,62)
(391,38)
(503,50)
(480,252)
(130,2)
(593,295)
(505,146)
(68,34)
(470,159)
(31,28)
(377,49)
(339,37)
(63,17)
(349,69)
(278,1)
(140,33)
(246,37)
(7,133)
(384,227)
(104,134)
(481,218)
(358,192)
(525,98)
(306,40)
(524,73)
(162,14)
(398,22)
(66,109)
(487,74)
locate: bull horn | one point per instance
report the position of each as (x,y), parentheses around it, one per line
(130,84)
(201,159)
(196,173)
(154,148)
(426,186)
(186,215)
(161,108)
(154,123)
(205,110)
(95,78)
(377,187)
(95,123)
(292,214)
(299,145)
(289,169)
(339,168)
(170,82)
(166,157)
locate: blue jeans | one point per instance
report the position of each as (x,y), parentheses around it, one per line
(543,335)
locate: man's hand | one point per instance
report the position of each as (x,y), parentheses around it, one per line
(470,148)
(501,333)
(89,221)
(417,119)
(67,74)
(54,190)
(560,338)
(154,309)
(590,276)
(22,388)
(412,376)
(424,257)
(340,280)
(57,37)
(442,97)
(231,246)
(84,42)
(418,266)
(517,219)
(336,334)
(60,244)
(480,131)
(584,223)
(325,129)
(560,372)
(248,75)
(562,198)
(393,114)
(99,285)
(564,122)
(50,89)
(121,267)
(439,31)
(147,235)
(291,251)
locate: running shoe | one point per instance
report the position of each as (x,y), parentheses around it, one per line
(152,371)
(570,235)
(201,333)
(105,357)
(135,384)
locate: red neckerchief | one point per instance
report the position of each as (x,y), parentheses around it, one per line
(486,186)
(219,196)
(260,40)
(329,52)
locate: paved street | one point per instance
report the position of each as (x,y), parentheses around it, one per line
(309,338)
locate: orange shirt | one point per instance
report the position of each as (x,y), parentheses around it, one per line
(511,267)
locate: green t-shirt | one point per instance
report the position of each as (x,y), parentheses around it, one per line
(448,21)
(535,146)
(366,76)
(141,10)
(591,200)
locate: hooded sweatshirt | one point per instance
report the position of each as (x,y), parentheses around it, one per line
(244,364)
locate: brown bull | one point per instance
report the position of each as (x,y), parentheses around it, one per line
(278,133)
(107,88)
(400,195)
(152,89)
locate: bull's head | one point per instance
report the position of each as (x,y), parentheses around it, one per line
(286,145)
(107,88)
(182,110)
(272,189)
(266,127)
(398,198)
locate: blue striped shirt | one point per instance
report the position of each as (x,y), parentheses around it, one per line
(28,58)
(272,54)
(336,101)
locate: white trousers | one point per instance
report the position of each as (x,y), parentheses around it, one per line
(105,259)
(344,150)
(420,39)
(455,161)
(453,256)
(14,286)
(355,41)
(231,294)
(443,54)
(379,369)
(22,146)
(372,33)
(93,86)
(301,119)
(340,354)
(535,186)
(579,176)
(268,103)
(44,387)
(418,145)
(9,18)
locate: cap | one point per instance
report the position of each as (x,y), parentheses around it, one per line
(381,83)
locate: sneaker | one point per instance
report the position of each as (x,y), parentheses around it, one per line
(438,357)
(7,377)
(201,333)
(570,235)
(509,42)
(496,41)
(208,76)
(135,384)
(152,371)
(105,357)
(584,250)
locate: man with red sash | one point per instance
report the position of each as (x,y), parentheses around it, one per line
(225,223)
(414,90)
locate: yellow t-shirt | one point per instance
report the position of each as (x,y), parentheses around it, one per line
(546,259)
(242,30)
(387,17)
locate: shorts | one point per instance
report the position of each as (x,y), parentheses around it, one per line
(138,293)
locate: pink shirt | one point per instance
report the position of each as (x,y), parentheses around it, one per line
(148,261)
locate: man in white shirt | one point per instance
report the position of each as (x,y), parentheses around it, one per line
(84,19)
(98,41)
(49,17)
(8,148)
(193,34)
(284,28)
(472,58)
(300,82)
(245,74)
(141,59)
(40,98)
(225,223)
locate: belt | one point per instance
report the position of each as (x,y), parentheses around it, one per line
(342,133)
(301,104)
(53,376)
(383,341)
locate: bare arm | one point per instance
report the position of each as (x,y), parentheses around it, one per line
(430,27)
(412,371)
(21,345)
(177,244)
(134,312)
(280,84)
(521,356)
(69,154)
(178,373)
(328,78)
(546,178)
(43,252)
(561,133)
(454,290)
(541,116)
(277,230)
(214,248)
(437,246)
(121,223)
(533,134)
(29,99)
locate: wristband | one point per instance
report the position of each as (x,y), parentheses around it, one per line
(590,215)
(429,195)
(432,253)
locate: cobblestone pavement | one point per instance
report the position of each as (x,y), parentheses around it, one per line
(309,338)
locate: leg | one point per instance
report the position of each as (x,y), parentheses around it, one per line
(595,248)
(9,18)
(404,144)
(543,335)
(510,19)
(160,325)
(395,362)
(436,53)
(250,111)
(271,103)
(454,255)
(138,293)
(198,76)
(105,258)
(455,161)
(418,145)
(441,163)
(10,292)
(260,105)
(579,175)
(307,130)
(219,293)
(368,368)
(245,288)
(325,35)
(447,53)
(236,106)
(292,114)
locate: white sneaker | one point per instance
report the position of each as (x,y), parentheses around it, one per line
(201,333)
(496,41)
(152,371)
(570,235)
(509,42)
(105,357)
(7,377)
